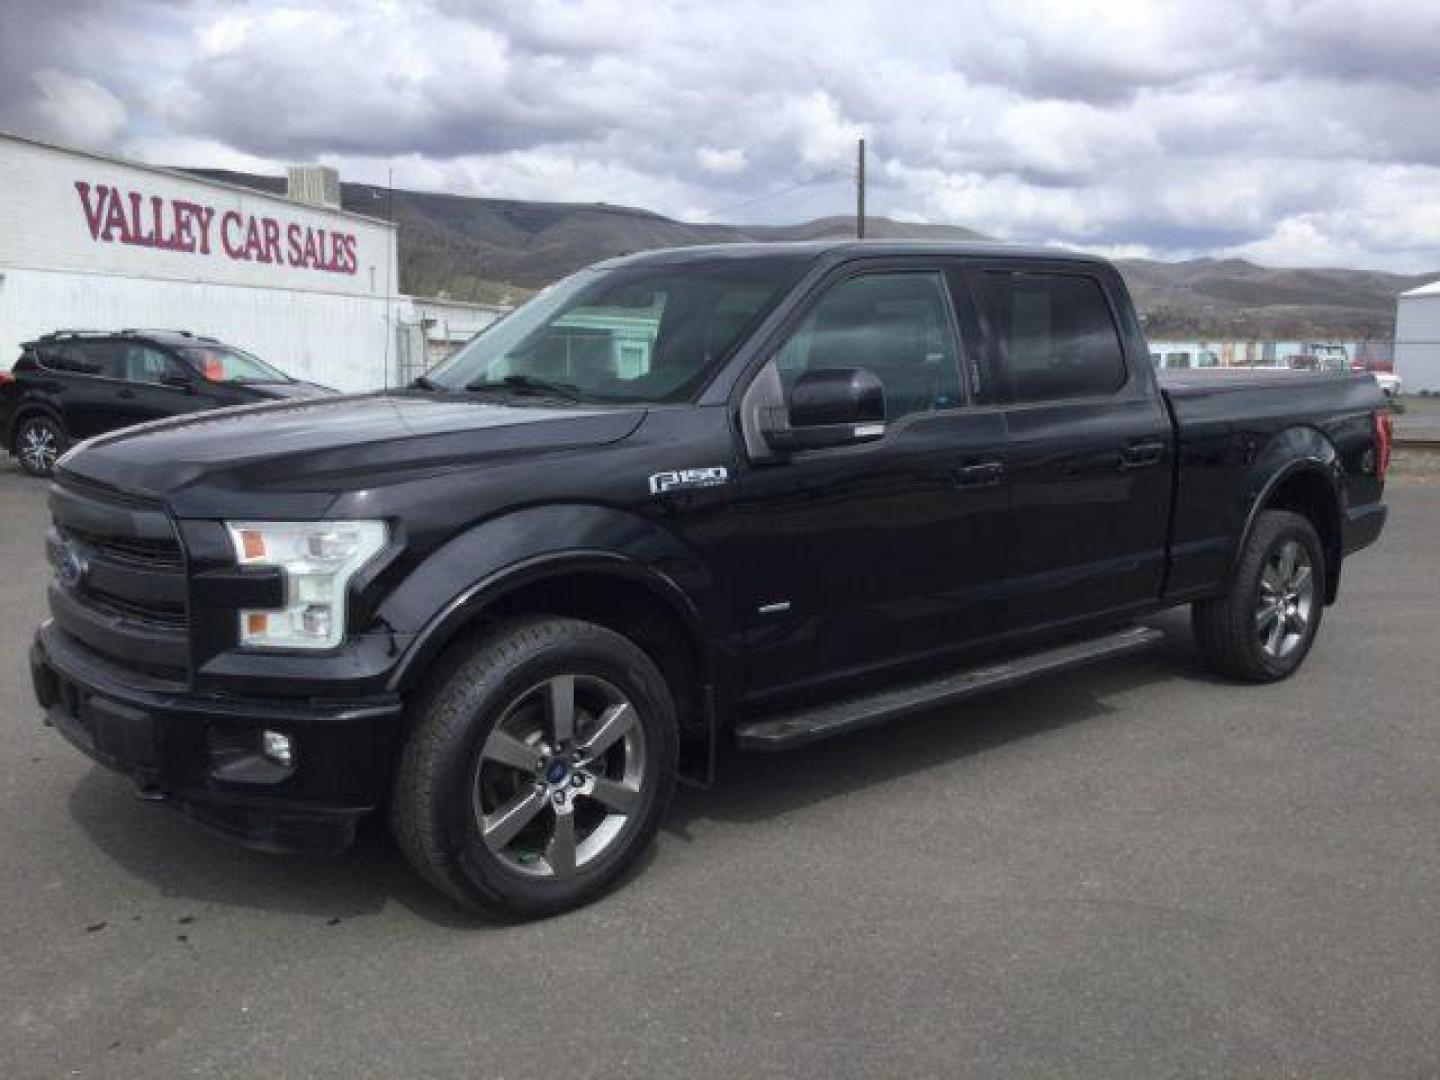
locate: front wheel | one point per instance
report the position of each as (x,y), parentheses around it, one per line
(538,769)
(1261,630)
(39,442)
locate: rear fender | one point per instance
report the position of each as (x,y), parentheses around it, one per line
(1294,452)
(27,409)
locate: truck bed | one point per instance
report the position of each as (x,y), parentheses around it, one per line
(1234,426)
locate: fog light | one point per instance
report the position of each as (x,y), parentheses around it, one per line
(277,748)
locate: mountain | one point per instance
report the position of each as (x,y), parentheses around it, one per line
(1231,298)
(482,249)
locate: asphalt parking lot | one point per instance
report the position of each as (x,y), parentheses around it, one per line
(1133,870)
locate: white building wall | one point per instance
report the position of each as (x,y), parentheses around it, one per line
(1417,341)
(448,324)
(340,341)
(90,242)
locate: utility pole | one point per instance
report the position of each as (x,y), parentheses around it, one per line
(860,191)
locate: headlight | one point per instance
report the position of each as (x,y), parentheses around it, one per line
(319,558)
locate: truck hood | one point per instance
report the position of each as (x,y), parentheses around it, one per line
(297,453)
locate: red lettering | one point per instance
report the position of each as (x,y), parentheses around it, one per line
(235,249)
(312,256)
(180,225)
(115,219)
(205,215)
(136,235)
(272,241)
(182,237)
(92,210)
(157,215)
(254,246)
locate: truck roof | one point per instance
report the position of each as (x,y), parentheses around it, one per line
(817,249)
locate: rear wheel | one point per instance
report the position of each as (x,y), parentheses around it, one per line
(1262,629)
(39,442)
(538,770)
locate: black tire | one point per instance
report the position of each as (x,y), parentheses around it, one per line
(1228,630)
(38,443)
(446,769)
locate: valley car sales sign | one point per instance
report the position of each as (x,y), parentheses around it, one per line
(72,210)
(133,217)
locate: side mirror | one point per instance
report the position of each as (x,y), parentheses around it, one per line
(178,382)
(828,407)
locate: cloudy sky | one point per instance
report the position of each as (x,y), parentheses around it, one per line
(1291,132)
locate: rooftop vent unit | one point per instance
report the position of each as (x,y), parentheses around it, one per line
(318,185)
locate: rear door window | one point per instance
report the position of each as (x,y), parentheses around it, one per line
(1053,333)
(144,364)
(108,357)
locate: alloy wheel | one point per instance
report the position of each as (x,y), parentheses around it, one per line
(1286,602)
(38,446)
(559,777)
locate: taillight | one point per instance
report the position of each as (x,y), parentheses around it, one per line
(6,377)
(1384,441)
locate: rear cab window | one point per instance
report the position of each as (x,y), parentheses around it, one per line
(1052,335)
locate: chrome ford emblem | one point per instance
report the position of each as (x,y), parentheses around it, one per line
(71,567)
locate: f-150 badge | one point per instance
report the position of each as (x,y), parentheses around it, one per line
(686,479)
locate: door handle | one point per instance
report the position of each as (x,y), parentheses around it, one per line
(1142,454)
(981,474)
(126,393)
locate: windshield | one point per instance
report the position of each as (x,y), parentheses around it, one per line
(640,333)
(221,363)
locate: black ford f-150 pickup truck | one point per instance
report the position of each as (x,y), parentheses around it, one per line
(753,493)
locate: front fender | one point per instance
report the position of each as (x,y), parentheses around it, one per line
(481,565)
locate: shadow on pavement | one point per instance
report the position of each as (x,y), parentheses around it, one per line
(752,786)
(183,860)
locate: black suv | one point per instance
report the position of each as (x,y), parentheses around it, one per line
(73,384)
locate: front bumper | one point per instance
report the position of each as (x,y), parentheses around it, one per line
(201,753)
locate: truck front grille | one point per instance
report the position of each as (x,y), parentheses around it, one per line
(120,585)
(161,554)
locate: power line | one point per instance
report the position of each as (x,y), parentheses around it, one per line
(821,178)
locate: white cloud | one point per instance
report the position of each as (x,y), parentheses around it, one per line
(1274,129)
(721,162)
(184,152)
(78,110)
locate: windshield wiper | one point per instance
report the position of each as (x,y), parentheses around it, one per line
(568,391)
